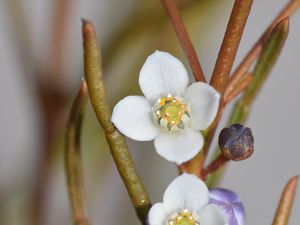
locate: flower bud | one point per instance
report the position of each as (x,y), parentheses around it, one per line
(230,203)
(236,142)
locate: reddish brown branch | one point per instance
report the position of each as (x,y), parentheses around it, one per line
(231,41)
(232,92)
(221,73)
(243,67)
(184,39)
(216,164)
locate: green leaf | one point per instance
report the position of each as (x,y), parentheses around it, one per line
(73,165)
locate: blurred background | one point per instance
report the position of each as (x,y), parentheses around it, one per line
(41,66)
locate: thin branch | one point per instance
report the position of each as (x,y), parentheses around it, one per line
(73,165)
(186,44)
(238,89)
(265,63)
(230,44)
(252,55)
(241,109)
(227,53)
(286,202)
(116,141)
(213,166)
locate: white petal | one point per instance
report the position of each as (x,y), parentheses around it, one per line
(157,215)
(203,101)
(212,215)
(162,74)
(133,117)
(179,147)
(186,192)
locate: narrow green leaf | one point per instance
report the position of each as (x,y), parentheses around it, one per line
(264,65)
(286,202)
(116,141)
(73,165)
(267,60)
(93,74)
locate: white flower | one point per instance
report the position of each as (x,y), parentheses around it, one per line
(172,113)
(185,202)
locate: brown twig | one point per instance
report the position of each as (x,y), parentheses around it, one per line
(265,63)
(213,166)
(221,73)
(193,166)
(184,39)
(239,88)
(243,67)
(230,44)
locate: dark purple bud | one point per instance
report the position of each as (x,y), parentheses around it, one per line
(236,142)
(230,204)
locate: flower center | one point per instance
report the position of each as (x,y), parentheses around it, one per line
(183,218)
(170,112)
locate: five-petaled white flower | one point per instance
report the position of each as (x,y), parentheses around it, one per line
(172,113)
(186,202)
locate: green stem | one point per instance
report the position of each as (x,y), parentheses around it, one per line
(73,165)
(265,63)
(116,141)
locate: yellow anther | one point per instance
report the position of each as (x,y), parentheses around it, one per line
(172,111)
(183,218)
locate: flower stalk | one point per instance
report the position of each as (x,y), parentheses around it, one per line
(73,165)
(286,202)
(116,141)
(181,32)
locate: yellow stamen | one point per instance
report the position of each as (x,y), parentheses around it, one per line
(172,111)
(183,218)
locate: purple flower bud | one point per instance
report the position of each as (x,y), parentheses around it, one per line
(236,142)
(230,204)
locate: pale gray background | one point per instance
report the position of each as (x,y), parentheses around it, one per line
(274,121)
